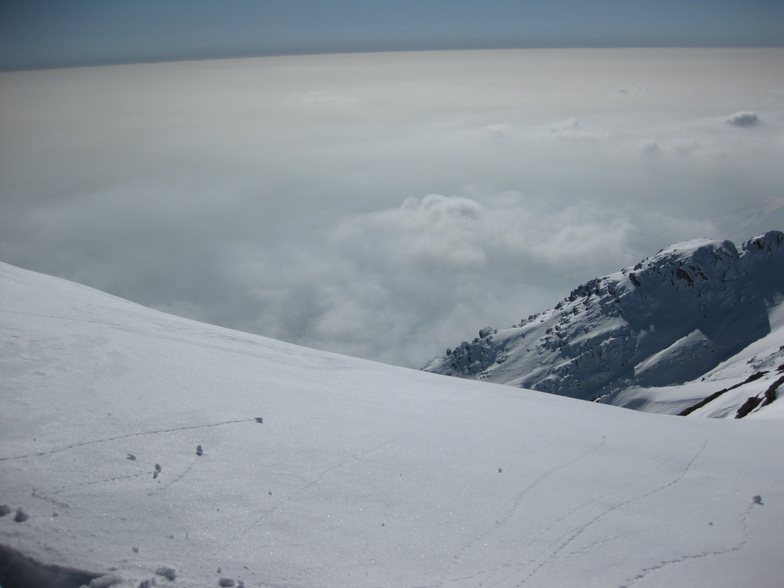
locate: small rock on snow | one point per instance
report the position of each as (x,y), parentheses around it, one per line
(166,572)
(105,581)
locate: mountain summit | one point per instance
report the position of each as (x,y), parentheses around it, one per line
(659,336)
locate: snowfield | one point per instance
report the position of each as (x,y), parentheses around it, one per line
(146,447)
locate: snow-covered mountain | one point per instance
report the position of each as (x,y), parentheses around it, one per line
(696,329)
(151,450)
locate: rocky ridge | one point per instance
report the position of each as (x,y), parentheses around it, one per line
(670,319)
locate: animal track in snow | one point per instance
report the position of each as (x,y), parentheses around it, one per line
(645,572)
(517,502)
(575,533)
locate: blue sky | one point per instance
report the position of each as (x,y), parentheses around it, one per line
(45,33)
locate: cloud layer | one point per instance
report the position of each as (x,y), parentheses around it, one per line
(387,205)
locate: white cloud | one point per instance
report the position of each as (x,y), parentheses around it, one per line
(434,230)
(392,283)
(461,234)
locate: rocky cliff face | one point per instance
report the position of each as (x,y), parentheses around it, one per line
(669,319)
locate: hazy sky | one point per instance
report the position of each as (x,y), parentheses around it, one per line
(46,33)
(384,205)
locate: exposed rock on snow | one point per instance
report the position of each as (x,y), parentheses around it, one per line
(670,319)
(704,402)
(19,571)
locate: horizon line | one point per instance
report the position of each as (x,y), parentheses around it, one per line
(74,64)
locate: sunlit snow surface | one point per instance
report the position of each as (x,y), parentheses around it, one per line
(361,474)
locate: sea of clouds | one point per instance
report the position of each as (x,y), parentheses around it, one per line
(384,205)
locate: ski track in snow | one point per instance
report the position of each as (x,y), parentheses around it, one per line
(48,497)
(126,436)
(50,494)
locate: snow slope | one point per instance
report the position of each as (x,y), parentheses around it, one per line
(360,474)
(662,336)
